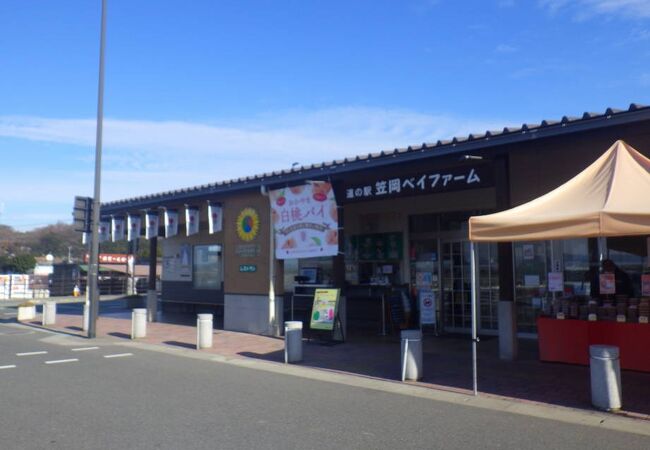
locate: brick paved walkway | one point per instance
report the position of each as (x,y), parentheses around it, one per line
(447,361)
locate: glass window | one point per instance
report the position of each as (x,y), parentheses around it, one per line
(207,267)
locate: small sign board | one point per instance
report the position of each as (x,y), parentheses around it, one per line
(323,312)
(427,300)
(247,268)
(607,283)
(645,284)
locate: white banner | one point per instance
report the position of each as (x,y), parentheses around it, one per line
(134,223)
(171,223)
(104,231)
(191,221)
(117,229)
(215,218)
(305,221)
(151,230)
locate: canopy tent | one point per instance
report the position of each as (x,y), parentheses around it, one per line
(602,200)
(608,198)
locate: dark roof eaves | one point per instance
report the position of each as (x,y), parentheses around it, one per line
(445,148)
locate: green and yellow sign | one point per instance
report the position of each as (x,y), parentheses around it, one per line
(323,312)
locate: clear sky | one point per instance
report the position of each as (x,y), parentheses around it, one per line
(200,91)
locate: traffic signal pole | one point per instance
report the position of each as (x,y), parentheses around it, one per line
(93,265)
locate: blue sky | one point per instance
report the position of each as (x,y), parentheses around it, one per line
(201,91)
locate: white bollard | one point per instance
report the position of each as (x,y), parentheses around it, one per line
(605,369)
(86,316)
(411,355)
(138,323)
(203,331)
(49,313)
(292,341)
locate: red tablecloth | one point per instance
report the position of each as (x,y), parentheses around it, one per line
(568,341)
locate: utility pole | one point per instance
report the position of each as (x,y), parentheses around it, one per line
(93,265)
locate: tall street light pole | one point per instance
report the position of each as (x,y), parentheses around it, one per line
(93,266)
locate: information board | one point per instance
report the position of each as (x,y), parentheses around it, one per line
(323,312)
(427,300)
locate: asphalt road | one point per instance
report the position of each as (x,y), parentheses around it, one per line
(142,399)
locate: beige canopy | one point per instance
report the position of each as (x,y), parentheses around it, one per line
(611,197)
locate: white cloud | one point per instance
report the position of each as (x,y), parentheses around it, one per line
(143,157)
(505,48)
(584,9)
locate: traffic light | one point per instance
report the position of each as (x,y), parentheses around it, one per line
(82,213)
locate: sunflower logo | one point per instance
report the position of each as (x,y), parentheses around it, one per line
(248,224)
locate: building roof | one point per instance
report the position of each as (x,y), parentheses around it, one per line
(474,141)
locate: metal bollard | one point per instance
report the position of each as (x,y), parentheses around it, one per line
(292,341)
(86,316)
(203,331)
(605,369)
(152,305)
(49,313)
(411,355)
(138,323)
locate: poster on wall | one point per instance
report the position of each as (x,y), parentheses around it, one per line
(607,283)
(427,300)
(177,263)
(556,281)
(645,285)
(305,221)
(323,312)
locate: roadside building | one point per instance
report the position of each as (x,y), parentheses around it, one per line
(402,226)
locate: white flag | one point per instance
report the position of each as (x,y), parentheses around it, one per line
(134,223)
(152,225)
(171,223)
(84,238)
(191,221)
(215,218)
(104,231)
(117,229)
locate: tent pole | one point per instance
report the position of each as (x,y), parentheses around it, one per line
(473,249)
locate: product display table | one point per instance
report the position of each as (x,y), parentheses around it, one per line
(568,341)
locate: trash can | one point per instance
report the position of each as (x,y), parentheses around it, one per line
(49,313)
(411,355)
(203,331)
(292,341)
(605,370)
(139,323)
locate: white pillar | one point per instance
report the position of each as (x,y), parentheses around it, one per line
(204,327)
(49,313)
(138,323)
(473,249)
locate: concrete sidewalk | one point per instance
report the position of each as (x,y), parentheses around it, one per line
(447,362)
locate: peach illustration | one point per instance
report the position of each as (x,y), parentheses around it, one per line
(289,244)
(332,237)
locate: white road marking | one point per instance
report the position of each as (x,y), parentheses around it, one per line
(118,355)
(61,361)
(8,367)
(31,353)
(83,349)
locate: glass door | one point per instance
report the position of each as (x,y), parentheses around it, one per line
(456,286)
